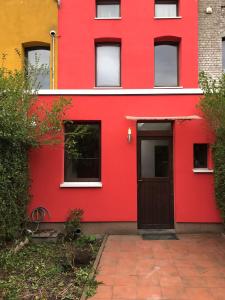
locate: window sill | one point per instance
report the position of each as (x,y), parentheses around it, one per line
(108,87)
(168,87)
(81,184)
(116,18)
(203,170)
(165,18)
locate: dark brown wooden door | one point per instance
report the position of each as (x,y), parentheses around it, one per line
(155,192)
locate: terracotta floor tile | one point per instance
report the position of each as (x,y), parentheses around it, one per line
(166,281)
(218,293)
(191,268)
(103,292)
(148,279)
(174,293)
(193,281)
(215,282)
(106,279)
(128,280)
(129,292)
(198,294)
(188,271)
(149,292)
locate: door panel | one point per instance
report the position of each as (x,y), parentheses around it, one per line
(155,205)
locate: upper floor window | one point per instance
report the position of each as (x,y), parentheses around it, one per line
(166,8)
(82,151)
(38,66)
(166,64)
(108,9)
(223,54)
(107,65)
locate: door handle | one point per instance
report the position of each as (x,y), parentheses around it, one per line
(140,180)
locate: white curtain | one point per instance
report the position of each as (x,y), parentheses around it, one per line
(108,10)
(165,10)
(108,65)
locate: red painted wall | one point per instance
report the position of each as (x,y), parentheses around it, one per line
(137,29)
(117,199)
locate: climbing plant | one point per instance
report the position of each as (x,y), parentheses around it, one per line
(25,122)
(213,107)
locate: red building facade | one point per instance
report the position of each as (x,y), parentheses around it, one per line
(131,70)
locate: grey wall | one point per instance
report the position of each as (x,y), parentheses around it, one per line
(211,31)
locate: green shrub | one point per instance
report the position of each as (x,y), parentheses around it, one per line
(24,123)
(213,108)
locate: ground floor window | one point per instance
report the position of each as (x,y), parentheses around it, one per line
(200,156)
(82,151)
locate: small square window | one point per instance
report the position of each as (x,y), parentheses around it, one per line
(82,157)
(166,8)
(200,156)
(107,9)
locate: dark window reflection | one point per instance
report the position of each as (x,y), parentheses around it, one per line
(166,65)
(82,151)
(161,161)
(200,155)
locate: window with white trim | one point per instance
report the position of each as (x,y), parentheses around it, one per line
(38,66)
(166,64)
(82,154)
(166,8)
(108,65)
(200,156)
(107,9)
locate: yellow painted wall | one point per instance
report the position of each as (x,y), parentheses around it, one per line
(26,21)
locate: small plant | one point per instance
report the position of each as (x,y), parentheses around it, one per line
(72,225)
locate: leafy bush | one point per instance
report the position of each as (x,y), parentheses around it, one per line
(213,108)
(24,123)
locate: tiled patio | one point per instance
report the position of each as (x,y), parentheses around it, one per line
(192,268)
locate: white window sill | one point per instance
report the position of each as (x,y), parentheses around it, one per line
(108,87)
(116,18)
(203,170)
(81,184)
(163,18)
(168,87)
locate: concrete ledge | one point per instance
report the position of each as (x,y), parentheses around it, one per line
(131,227)
(198,227)
(98,227)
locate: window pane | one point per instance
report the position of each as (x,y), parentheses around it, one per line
(165,10)
(108,10)
(108,65)
(39,66)
(166,57)
(223,54)
(200,155)
(154,126)
(154,158)
(82,151)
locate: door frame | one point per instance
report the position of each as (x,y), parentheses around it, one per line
(153,134)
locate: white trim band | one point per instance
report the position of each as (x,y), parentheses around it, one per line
(203,170)
(81,184)
(171,118)
(119,91)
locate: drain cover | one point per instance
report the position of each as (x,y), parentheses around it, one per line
(169,236)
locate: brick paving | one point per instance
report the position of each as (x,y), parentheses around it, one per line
(192,268)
